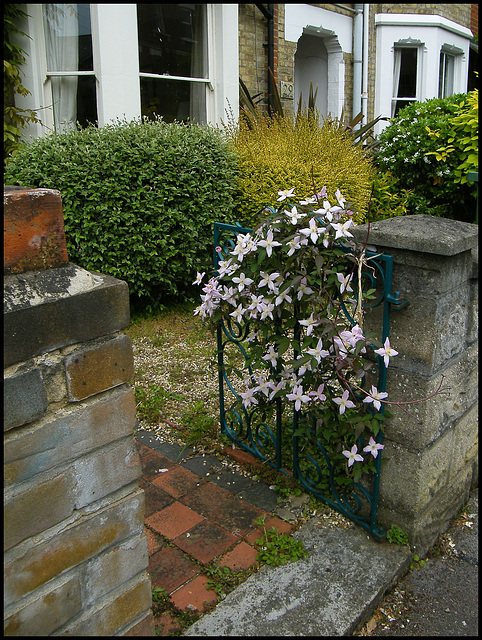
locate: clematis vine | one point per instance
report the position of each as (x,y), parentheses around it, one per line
(290,281)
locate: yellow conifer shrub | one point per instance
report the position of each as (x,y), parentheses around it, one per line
(283,152)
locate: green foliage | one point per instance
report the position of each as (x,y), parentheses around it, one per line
(222,580)
(139,199)
(395,535)
(198,424)
(417,563)
(278,548)
(14,118)
(464,138)
(409,147)
(388,199)
(281,153)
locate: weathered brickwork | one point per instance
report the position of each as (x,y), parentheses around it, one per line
(253,57)
(75,552)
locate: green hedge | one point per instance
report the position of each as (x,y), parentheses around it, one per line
(139,199)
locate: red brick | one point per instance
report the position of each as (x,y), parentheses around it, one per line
(173,520)
(222,508)
(33,228)
(205,541)
(156,499)
(177,481)
(152,461)
(153,542)
(167,625)
(242,457)
(280,525)
(243,556)
(170,568)
(194,595)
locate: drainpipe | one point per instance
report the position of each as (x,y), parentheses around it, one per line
(357,59)
(364,95)
(269,15)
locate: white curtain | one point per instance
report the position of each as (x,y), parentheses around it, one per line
(396,78)
(62,45)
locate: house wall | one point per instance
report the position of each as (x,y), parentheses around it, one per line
(291,19)
(75,551)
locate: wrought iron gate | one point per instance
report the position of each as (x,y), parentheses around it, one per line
(268,441)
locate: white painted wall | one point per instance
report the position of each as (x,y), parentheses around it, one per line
(336,33)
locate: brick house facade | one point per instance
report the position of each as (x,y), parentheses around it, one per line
(103,62)
(439,22)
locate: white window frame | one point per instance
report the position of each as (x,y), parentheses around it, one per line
(432,32)
(397,49)
(116,65)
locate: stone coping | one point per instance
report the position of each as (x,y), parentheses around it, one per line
(422,233)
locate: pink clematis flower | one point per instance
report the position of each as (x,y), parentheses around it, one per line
(298,397)
(375,397)
(386,352)
(344,402)
(353,455)
(373,448)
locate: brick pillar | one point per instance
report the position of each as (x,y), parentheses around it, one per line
(430,456)
(75,552)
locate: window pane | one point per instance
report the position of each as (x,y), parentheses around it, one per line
(446,75)
(74,100)
(172,39)
(68,37)
(407,85)
(173,99)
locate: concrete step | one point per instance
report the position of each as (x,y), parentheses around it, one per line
(331,592)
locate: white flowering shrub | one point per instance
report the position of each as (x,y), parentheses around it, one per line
(408,150)
(289,283)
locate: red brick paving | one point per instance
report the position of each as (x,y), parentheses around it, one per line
(205,541)
(173,520)
(194,595)
(191,522)
(176,481)
(243,556)
(223,508)
(170,568)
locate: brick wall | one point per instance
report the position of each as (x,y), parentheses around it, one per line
(75,554)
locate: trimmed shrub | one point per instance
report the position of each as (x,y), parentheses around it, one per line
(408,150)
(139,199)
(282,153)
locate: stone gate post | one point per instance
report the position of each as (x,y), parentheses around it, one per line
(430,457)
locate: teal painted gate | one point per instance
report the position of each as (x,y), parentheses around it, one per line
(278,442)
